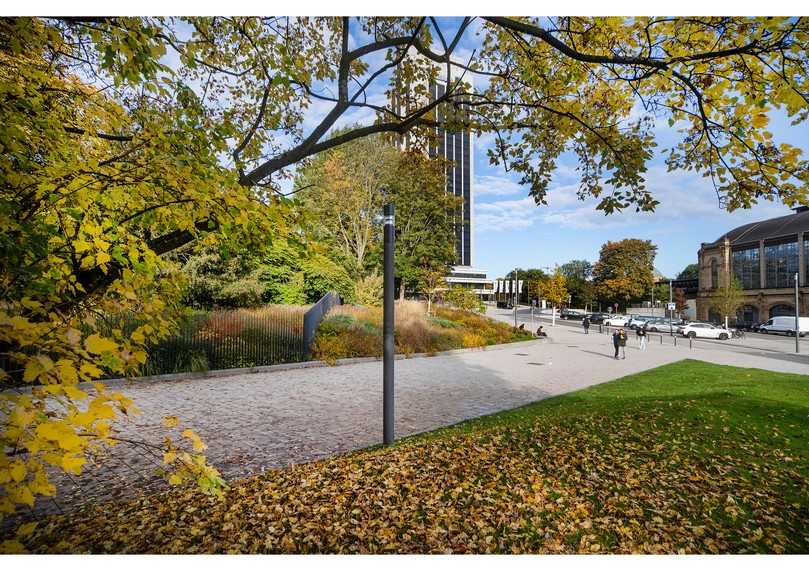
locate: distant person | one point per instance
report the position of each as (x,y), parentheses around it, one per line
(619,342)
(641,333)
(586,324)
(622,337)
(541,333)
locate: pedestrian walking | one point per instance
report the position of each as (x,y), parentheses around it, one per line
(616,341)
(622,342)
(641,332)
(586,324)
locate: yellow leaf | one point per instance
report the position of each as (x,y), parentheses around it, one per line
(81,246)
(169,457)
(74,393)
(102,258)
(72,463)
(98,345)
(90,370)
(171,422)
(11,546)
(18,471)
(67,372)
(26,529)
(174,479)
(760,120)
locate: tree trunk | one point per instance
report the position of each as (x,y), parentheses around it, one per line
(401,290)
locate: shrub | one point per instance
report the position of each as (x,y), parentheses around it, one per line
(464,298)
(353,331)
(368,290)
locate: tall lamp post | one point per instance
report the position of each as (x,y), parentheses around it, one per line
(388,347)
(671,312)
(797,317)
(516,295)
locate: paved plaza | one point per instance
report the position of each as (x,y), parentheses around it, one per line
(254,422)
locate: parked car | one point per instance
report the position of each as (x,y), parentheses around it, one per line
(746,325)
(639,321)
(785,325)
(505,305)
(598,317)
(576,314)
(616,320)
(663,324)
(706,330)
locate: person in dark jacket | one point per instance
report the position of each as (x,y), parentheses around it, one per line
(586,324)
(619,342)
(641,333)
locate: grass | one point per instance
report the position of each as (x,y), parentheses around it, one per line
(352,331)
(686,458)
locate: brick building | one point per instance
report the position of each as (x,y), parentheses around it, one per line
(764,256)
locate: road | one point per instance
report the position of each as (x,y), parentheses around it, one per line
(755,342)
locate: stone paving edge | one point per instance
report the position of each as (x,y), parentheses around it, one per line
(127,382)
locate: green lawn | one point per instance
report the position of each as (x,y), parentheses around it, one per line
(690,457)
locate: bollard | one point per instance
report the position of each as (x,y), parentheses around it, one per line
(661,339)
(675,341)
(690,343)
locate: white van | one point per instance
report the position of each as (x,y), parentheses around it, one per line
(786,325)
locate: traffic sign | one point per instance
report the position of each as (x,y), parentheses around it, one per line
(671,306)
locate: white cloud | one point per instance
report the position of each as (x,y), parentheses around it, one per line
(505,215)
(681,195)
(496,186)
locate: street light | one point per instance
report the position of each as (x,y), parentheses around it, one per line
(797,317)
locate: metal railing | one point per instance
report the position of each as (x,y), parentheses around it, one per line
(313,317)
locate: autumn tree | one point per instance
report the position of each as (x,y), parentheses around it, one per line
(728,298)
(425,219)
(554,289)
(680,301)
(624,270)
(343,194)
(112,159)
(433,283)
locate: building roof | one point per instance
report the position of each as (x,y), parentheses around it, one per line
(788,225)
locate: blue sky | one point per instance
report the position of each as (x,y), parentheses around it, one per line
(511,230)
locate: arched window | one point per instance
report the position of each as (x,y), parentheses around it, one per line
(782,309)
(714,274)
(747,315)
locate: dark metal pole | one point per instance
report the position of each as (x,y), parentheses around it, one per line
(670,312)
(797,317)
(387,328)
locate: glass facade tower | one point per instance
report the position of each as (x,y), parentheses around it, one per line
(456,148)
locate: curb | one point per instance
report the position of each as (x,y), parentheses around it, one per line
(302,365)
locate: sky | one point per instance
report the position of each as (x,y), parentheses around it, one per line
(510,230)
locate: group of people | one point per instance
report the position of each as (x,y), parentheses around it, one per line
(619,338)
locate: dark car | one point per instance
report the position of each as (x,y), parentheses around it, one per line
(598,317)
(746,325)
(505,305)
(572,314)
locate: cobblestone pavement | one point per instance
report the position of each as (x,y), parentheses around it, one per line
(254,422)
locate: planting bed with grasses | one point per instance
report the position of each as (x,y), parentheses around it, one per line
(227,339)
(351,331)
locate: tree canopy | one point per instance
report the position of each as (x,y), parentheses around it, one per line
(690,272)
(624,270)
